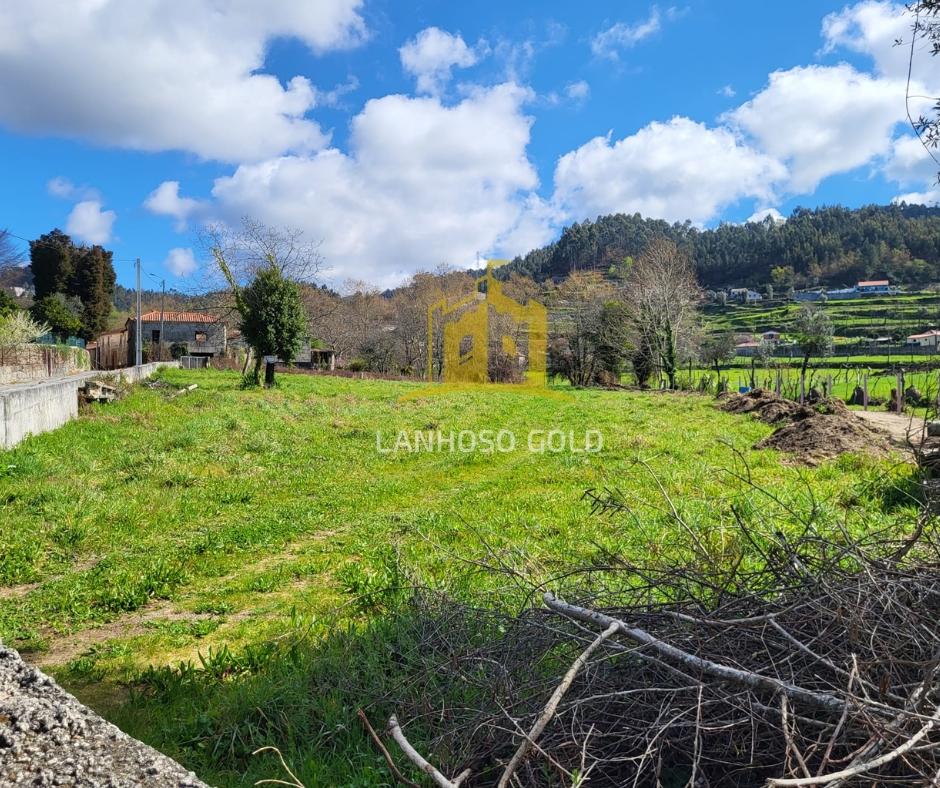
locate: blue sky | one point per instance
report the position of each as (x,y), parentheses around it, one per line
(404,136)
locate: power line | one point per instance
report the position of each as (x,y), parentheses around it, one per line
(52,245)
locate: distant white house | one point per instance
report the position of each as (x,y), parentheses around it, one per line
(771,336)
(745,295)
(927,339)
(874,287)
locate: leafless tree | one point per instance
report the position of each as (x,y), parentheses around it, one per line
(237,254)
(242,251)
(410,305)
(587,332)
(9,254)
(661,293)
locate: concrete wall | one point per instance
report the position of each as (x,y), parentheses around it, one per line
(34,408)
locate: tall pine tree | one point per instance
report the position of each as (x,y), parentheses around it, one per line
(93,282)
(50,259)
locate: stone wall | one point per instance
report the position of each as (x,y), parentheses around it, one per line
(29,363)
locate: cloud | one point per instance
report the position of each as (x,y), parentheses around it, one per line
(727,91)
(422,184)
(333,98)
(159,75)
(911,165)
(165,200)
(822,120)
(872,28)
(88,223)
(764,213)
(608,43)
(64,189)
(431,56)
(677,170)
(181,262)
(578,91)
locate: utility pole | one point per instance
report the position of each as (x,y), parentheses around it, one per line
(138,333)
(162,299)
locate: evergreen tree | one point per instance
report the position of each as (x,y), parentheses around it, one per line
(50,259)
(81,272)
(93,282)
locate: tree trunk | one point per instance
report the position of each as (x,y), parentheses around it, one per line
(803,377)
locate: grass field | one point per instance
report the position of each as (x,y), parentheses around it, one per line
(221,570)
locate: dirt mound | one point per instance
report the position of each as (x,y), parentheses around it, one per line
(813,432)
(773,409)
(765,405)
(822,437)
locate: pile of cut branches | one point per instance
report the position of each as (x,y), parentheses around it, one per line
(818,665)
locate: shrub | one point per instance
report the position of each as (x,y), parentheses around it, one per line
(18,328)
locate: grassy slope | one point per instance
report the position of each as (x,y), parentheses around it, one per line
(255,514)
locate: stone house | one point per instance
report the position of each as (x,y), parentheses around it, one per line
(201,334)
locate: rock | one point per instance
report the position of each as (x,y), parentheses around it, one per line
(933,429)
(48,738)
(912,396)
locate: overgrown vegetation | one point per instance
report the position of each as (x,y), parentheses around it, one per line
(231,558)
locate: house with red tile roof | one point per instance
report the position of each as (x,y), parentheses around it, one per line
(164,333)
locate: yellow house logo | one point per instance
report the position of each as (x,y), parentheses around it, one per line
(460,333)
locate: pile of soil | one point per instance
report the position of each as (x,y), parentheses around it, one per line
(764,405)
(813,433)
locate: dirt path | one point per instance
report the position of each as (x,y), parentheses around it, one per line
(903,430)
(67,647)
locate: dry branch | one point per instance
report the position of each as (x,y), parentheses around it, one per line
(416,758)
(694,663)
(552,705)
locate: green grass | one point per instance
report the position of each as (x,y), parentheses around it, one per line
(231,561)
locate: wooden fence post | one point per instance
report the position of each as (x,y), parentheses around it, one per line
(865,391)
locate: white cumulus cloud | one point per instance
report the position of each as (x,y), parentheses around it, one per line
(677,170)
(422,184)
(764,213)
(822,120)
(431,56)
(871,28)
(162,75)
(89,223)
(181,262)
(165,200)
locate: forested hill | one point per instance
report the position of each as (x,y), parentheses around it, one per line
(827,246)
